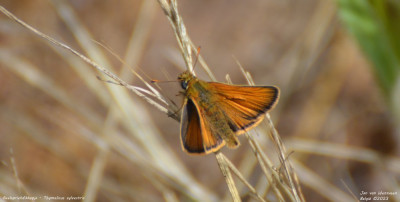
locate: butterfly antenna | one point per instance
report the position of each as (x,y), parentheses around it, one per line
(197,57)
(158,81)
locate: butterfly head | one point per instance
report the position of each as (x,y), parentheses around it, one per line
(185,78)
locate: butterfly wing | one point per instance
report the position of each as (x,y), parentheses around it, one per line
(196,136)
(245,106)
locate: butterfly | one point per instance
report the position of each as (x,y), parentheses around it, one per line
(215,113)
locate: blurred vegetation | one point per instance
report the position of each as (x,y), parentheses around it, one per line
(65,133)
(375,25)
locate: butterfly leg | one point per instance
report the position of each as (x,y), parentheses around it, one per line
(175,114)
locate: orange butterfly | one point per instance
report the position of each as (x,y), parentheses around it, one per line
(214,113)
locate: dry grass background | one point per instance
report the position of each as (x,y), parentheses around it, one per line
(62,130)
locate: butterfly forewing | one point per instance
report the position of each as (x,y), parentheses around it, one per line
(191,139)
(196,136)
(244,106)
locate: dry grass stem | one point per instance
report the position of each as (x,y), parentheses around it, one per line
(20,186)
(139,36)
(87,60)
(310,179)
(171,11)
(180,31)
(186,48)
(173,172)
(289,172)
(364,155)
(96,175)
(241,177)
(291,176)
(273,178)
(76,113)
(223,165)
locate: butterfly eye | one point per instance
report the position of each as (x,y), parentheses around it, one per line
(184,84)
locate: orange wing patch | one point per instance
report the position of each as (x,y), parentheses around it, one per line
(191,139)
(196,136)
(245,106)
(211,140)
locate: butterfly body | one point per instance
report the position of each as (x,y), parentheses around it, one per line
(215,113)
(202,94)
